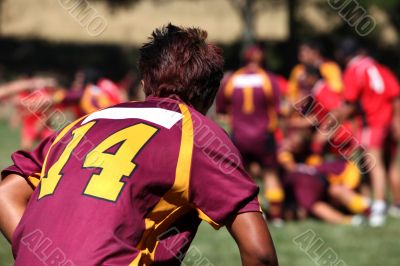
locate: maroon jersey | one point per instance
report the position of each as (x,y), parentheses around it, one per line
(252,98)
(128,185)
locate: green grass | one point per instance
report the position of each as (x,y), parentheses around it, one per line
(355,246)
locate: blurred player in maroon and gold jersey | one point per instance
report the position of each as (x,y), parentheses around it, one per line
(129,185)
(323,159)
(370,92)
(313,183)
(94,93)
(310,53)
(251,98)
(101,95)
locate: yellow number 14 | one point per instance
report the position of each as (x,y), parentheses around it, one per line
(113,167)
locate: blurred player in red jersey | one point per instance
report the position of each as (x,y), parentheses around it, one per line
(310,53)
(143,174)
(251,97)
(372,88)
(30,96)
(32,109)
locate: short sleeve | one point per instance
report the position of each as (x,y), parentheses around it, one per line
(222,101)
(28,164)
(332,74)
(293,83)
(220,188)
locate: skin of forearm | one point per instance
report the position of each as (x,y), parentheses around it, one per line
(15,193)
(253,239)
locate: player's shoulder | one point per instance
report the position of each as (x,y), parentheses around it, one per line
(297,69)
(330,64)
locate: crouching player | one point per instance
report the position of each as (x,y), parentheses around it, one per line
(314,184)
(129,185)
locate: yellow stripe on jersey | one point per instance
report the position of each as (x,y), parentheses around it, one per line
(207,218)
(268,92)
(85,102)
(230,86)
(175,202)
(267,86)
(350,177)
(248,101)
(293,91)
(331,72)
(34,179)
(273,122)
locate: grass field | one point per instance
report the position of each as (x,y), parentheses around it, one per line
(298,244)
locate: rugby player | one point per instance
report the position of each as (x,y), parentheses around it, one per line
(370,92)
(311,53)
(251,97)
(129,185)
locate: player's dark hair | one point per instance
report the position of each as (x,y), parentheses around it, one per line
(178,62)
(91,75)
(313,71)
(314,45)
(349,47)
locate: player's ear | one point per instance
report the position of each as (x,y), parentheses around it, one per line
(142,84)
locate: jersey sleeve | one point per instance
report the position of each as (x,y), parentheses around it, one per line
(333,75)
(293,83)
(223,95)
(220,188)
(28,164)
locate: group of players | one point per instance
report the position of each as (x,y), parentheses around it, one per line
(42,105)
(323,143)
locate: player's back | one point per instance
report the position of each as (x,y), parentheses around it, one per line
(374,85)
(128,185)
(103,175)
(253,96)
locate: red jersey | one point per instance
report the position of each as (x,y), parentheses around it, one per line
(33,107)
(374,86)
(128,185)
(325,95)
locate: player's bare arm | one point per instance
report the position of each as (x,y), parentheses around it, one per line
(252,236)
(12,88)
(14,196)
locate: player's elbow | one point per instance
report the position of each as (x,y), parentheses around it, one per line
(267,258)
(260,257)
